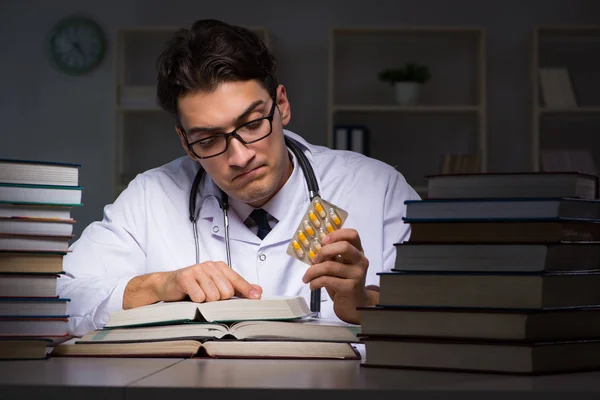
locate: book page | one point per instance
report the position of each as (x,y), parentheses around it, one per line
(267,308)
(305,329)
(154,313)
(235,309)
(280,350)
(196,331)
(177,348)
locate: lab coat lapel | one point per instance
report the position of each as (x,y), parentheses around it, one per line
(286,228)
(211,210)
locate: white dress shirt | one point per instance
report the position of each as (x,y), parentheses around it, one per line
(147,229)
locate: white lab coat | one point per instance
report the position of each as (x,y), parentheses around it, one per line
(147,229)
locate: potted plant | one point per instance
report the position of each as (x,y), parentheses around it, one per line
(406,80)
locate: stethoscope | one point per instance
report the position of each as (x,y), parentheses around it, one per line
(313,191)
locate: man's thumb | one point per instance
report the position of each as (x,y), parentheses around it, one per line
(255,292)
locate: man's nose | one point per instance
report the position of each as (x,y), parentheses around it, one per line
(239,153)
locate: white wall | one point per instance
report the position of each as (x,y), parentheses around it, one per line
(51,116)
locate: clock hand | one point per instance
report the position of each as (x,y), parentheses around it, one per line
(78,48)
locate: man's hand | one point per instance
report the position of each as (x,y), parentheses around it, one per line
(209,281)
(341,268)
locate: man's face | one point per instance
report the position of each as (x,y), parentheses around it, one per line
(252,173)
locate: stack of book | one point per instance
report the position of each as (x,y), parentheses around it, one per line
(501,274)
(277,327)
(36,227)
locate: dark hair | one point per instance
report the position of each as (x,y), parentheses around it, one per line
(211,52)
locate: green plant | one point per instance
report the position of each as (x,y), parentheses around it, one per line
(411,72)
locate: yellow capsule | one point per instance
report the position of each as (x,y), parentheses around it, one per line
(322,233)
(335,218)
(320,209)
(314,219)
(328,226)
(316,245)
(298,249)
(303,239)
(308,229)
(311,255)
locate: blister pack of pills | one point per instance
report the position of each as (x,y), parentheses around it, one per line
(321,218)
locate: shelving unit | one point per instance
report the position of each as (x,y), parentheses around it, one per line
(404,109)
(406,136)
(145,134)
(576,48)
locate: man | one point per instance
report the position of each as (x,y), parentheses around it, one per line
(218,81)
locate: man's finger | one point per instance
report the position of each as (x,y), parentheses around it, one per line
(210,289)
(349,254)
(330,268)
(344,235)
(241,286)
(193,290)
(327,282)
(258,288)
(223,285)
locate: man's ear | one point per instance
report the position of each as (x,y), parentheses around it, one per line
(283,105)
(179,130)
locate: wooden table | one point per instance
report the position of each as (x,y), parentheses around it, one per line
(175,379)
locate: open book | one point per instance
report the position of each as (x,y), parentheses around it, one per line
(213,349)
(236,309)
(301,330)
(276,327)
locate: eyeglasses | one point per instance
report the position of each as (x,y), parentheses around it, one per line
(250,132)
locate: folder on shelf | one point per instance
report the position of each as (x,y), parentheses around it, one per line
(358,142)
(351,137)
(341,138)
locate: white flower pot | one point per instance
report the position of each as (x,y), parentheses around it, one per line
(407,92)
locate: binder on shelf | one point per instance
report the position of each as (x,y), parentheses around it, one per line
(358,139)
(341,138)
(351,137)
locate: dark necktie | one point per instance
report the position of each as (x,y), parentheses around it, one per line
(260,217)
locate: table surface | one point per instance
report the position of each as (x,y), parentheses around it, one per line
(149,378)
(75,378)
(330,374)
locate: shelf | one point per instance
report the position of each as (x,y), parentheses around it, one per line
(383,30)
(570,110)
(457,106)
(406,109)
(571,127)
(139,108)
(568,29)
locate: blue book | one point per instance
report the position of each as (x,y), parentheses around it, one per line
(486,209)
(48,194)
(33,307)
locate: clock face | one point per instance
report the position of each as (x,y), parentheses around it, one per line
(77,45)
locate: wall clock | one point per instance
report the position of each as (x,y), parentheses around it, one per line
(77,45)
